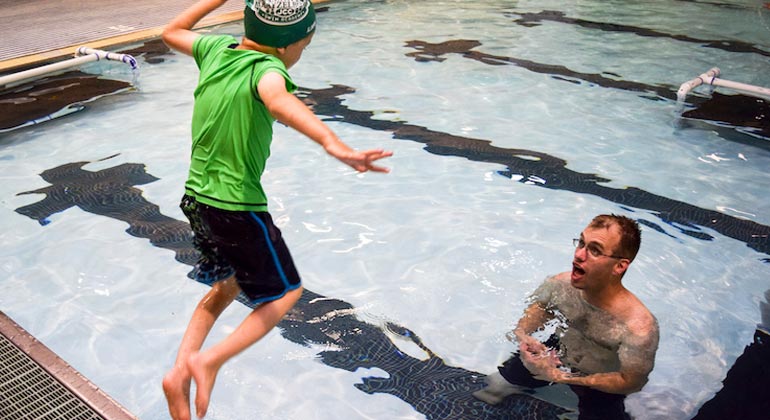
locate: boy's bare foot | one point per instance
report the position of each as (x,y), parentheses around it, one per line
(176,386)
(204,373)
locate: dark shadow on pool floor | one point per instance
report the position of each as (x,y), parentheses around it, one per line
(433,388)
(739,118)
(535,19)
(552,171)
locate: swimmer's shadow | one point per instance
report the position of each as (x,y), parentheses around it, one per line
(432,387)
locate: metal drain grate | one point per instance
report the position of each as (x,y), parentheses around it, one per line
(29,392)
(36,384)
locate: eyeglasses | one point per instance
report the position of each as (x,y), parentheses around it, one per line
(593,250)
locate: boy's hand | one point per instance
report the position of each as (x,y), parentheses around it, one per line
(362,161)
(178,33)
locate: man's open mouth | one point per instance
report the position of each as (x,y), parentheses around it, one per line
(577,270)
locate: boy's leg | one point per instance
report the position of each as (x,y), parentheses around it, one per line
(176,383)
(205,365)
(496,389)
(511,378)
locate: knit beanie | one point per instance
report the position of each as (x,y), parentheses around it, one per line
(278,23)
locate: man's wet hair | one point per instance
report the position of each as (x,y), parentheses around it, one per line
(630,234)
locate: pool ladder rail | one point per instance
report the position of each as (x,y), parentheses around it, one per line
(711,77)
(82,55)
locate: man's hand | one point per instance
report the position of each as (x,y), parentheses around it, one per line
(528,343)
(542,362)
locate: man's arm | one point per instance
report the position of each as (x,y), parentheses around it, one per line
(613,382)
(178,33)
(535,316)
(637,357)
(289,110)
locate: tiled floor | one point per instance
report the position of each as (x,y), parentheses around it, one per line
(39,30)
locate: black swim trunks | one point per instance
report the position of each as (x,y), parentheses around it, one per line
(243,243)
(211,266)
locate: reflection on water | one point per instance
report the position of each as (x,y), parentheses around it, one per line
(52,97)
(62,94)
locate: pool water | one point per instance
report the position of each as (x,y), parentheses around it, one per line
(512,125)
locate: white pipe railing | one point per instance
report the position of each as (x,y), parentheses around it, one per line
(711,78)
(82,55)
(748,89)
(686,87)
(125,58)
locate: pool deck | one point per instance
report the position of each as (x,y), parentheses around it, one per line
(40,31)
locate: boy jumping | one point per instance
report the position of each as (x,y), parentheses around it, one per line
(242,88)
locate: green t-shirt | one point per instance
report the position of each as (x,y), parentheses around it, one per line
(231,127)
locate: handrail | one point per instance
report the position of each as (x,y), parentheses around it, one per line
(82,55)
(711,77)
(686,87)
(126,58)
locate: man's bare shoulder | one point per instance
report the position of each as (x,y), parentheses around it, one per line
(640,320)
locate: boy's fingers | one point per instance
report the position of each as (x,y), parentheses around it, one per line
(378,168)
(377,154)
(366,159)
(368,166)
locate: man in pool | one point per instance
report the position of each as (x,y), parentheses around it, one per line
(242,88)
(605,340)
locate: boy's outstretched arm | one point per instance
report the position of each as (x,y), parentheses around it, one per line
(178,33)
(289,110)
